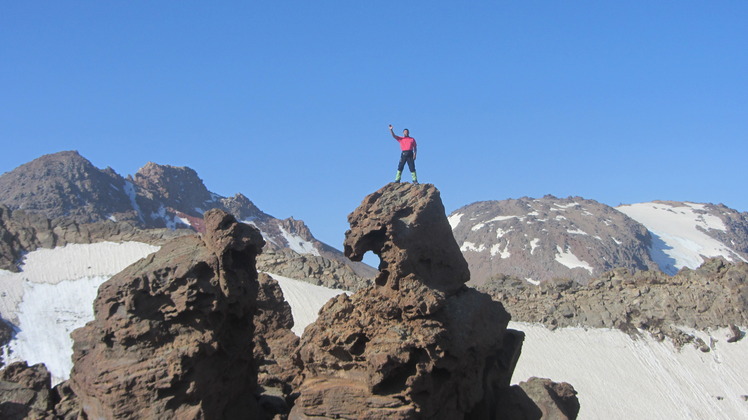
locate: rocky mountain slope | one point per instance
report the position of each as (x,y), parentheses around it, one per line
(547,238)
(551,238)
(65,189)
(712,296)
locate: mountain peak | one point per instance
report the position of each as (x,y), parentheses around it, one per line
(64,184)
(178,187)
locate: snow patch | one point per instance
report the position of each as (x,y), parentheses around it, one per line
(298,244)
(130,191)
(478,226)
(469,246)
(306,300)
(454,220)
(577,232)
(496,249)
(534,244)
(168,220)
(46,317)
(566,206)
(678,238)
(570,260)
(265,236)
(533,282)
(665,382)
(53,295)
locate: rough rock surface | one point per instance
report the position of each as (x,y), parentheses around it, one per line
(539,398)
(712,296)
(274,347)
(549,238)
(172,335)
(26,393)
(406,227)
(419,343)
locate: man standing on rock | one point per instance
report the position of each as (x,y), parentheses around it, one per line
(409,150)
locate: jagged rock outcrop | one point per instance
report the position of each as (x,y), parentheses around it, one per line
(172,335)
(714,295)
(419,343)
(274,347)
(406,227)
(546,238)
(25,392)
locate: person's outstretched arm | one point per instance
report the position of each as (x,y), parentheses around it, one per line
(398,138)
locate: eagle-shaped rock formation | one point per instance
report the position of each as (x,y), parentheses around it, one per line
(417,344)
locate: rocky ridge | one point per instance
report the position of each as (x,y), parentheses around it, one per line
(713,296)
(66,191)
(417,344)
(22,231)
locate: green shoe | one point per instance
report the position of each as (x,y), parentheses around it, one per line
(398,176)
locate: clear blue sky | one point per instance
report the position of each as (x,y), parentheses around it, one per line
(288,101)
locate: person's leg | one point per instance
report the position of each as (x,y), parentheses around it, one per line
(412,167)
(400,167)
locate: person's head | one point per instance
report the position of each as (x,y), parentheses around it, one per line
(406,133)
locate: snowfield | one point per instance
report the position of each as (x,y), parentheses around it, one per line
(616,376)
(678,234)
(54,295)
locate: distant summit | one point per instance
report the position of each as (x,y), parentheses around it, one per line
(66,186)
(575,238)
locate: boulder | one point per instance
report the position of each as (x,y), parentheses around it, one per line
(25,392)
(172,334)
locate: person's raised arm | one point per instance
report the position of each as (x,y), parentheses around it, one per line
(398,138)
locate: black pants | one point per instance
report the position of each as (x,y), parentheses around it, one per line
(406,156)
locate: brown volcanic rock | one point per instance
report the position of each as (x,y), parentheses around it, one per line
(25,392)
(405,225)
(538,398)
(419,344)
(172,335)
(274,346)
